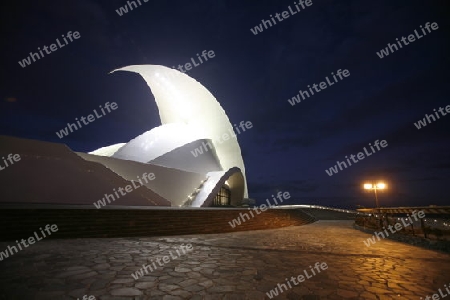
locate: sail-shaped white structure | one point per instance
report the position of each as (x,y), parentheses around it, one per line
(191,119)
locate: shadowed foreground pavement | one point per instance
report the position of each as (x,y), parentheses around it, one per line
(242,265)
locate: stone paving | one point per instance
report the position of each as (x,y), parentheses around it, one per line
(242,265)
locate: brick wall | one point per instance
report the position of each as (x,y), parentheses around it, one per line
(94,223)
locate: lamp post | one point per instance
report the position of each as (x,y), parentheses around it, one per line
(375,187)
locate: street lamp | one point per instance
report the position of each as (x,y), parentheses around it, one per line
(375,187)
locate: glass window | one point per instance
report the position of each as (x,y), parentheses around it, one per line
(223,197)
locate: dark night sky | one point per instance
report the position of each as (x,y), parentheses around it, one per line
(252,76)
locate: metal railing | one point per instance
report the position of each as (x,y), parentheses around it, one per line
(436,221)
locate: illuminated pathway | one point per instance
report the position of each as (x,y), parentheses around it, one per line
(243,265)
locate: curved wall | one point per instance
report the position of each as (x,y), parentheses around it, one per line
(182,158)
(52,173)
(156,142)
(172,184)
(215,181)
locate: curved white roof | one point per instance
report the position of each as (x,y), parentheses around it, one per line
(183,100)
(158,141)
(108,150)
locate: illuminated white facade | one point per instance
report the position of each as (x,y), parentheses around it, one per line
(191,118)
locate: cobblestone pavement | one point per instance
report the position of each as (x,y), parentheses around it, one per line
(242,265)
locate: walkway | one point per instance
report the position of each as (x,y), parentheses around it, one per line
(242,265)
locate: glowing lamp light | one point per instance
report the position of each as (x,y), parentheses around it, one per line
(378,186)
(375,187)
(367,186)
(381,186)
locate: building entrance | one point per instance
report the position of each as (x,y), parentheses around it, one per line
(223,197)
